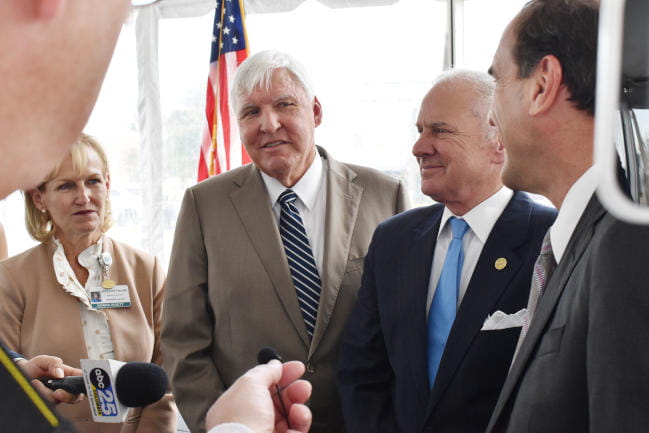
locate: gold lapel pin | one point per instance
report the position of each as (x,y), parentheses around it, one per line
(500,264)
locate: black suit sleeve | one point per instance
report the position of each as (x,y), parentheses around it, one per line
(365,375)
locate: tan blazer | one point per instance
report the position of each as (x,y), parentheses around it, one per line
(230,291)
(40,317)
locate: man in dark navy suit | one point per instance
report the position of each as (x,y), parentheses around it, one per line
(444,289)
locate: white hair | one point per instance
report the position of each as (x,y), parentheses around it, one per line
(257,70)
(481,83)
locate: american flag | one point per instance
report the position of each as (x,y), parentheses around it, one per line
(221,149)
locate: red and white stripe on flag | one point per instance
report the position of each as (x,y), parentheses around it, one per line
(221,149)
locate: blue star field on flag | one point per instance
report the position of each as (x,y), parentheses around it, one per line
(228,28)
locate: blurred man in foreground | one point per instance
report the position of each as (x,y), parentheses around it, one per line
(49,81)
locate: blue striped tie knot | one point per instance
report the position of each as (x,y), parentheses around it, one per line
(299,255)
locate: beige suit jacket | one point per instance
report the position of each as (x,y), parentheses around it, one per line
(40,317)
(230,291)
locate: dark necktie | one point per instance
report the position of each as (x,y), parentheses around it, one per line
(300,258)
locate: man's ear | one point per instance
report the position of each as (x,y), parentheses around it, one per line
(500,151)
(494,143)
(545,85)
(317,111)
(48,9)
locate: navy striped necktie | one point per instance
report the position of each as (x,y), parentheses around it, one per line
(300,258)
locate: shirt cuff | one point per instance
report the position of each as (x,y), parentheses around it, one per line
(230,427)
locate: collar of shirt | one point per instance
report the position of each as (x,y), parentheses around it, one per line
(306,188)
(66,276)
(573,206)
(481,220)
(96,333)
(483,217)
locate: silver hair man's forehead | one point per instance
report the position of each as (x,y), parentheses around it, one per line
(257,71)
(481,81)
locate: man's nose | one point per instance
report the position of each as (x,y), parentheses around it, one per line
(269,121)
(423,146)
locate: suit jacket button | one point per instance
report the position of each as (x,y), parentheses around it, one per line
(310,368)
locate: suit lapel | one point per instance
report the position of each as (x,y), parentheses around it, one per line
(485,288)
(251,204)
(414,270)
(577,245)
(343,201)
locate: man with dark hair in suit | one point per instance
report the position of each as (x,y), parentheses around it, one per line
(440,309)
(270,254)
(583,362)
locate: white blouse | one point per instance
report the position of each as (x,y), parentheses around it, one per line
(95,323)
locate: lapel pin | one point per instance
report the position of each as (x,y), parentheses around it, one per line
(500,264)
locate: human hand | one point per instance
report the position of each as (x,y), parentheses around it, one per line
(252,400)
(54,368)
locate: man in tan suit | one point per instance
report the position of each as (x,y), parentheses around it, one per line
(234,283)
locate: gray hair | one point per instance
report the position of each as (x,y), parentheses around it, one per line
(482,82)
(257,70)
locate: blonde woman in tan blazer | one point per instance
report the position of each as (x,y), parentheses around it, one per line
(45,301)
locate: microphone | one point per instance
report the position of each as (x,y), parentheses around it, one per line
(113,386)
(263,357)
(266,354)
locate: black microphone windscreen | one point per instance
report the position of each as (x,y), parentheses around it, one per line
(266,354)
(140,383)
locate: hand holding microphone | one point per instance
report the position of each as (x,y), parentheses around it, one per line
(253,400)
(113,386)
(50,366)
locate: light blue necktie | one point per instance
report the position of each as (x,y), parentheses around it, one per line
(444,305)
(300,259)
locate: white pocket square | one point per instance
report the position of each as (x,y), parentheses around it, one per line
(500,320)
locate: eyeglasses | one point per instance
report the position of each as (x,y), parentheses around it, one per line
(136,3)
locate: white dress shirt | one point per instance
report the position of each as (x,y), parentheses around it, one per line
(573,206)
(311,191)
(96,332)
(481,220)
